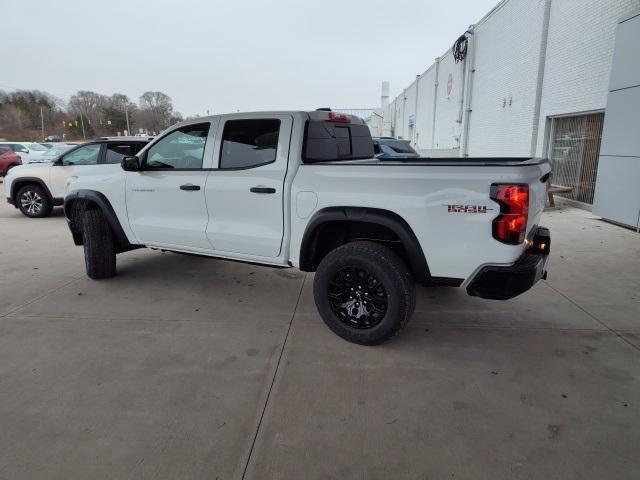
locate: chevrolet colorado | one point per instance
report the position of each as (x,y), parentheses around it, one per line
(303,189)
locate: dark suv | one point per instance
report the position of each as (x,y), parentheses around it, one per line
(390,147)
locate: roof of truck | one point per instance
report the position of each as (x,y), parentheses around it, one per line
(125,139)
(312,114)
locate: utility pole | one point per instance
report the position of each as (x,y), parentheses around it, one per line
(42,123)
(82,125)
(126,115)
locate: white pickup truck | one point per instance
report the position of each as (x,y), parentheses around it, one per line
(302,189)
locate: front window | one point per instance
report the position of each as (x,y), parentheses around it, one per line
(181,149)
(249,143)
(87,155)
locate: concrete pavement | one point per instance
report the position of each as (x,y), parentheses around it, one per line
(183,367)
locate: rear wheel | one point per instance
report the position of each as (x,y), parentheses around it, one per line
(99,245)
(364,292)
(34,202)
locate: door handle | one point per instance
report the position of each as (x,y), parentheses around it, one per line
(189,186)
(262,190)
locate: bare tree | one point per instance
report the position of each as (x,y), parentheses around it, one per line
(89,105)
(155,111)
(23,113)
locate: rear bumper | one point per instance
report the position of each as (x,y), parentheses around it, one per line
(502,283)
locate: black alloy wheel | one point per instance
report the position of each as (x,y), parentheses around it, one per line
(357,298)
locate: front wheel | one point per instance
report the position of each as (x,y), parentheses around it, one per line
(34,202)
(99,245)
(364,292)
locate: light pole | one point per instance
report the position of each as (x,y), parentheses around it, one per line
(126,116)
(42,123)
(82,125)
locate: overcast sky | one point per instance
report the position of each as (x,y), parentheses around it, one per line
(229,55)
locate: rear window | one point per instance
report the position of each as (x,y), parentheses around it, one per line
(116,151)
(327,141)
(249,143)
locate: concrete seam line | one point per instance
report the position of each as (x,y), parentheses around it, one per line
(617,334)
(39,297)
(273,379)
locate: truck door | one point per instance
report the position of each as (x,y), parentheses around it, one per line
(165,200)
(245,193)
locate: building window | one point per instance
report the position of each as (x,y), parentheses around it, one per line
(575,149)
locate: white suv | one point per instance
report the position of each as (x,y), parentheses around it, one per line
(29,152)
(36,188)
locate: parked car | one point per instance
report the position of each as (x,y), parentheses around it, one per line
(28,151)
(302,189)
(37,187)
(53,138)
(389,147)
(8,159)
(56,151)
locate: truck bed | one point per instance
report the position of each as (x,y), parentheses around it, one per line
(445,161)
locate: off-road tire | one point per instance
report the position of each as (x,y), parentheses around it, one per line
(99,245)
(388,268)
(42,205)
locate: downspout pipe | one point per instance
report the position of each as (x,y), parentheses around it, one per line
(435,103)
(415,113)
(469,75)
(544,39)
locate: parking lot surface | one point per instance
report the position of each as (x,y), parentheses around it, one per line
(185,367)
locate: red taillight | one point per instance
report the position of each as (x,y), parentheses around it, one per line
(339,117)
(511,225)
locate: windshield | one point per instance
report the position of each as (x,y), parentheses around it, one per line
(399,146)
(37,147)
(56,151)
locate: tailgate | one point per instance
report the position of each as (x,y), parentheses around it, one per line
(537,181)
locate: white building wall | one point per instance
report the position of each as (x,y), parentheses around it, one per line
(448,119)
(424,120)
(507,53)
(580,48)
(409,109)
(507,45)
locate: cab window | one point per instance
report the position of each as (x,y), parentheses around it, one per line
(249,143)
(181,149)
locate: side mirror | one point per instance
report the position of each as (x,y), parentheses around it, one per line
(130,164)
